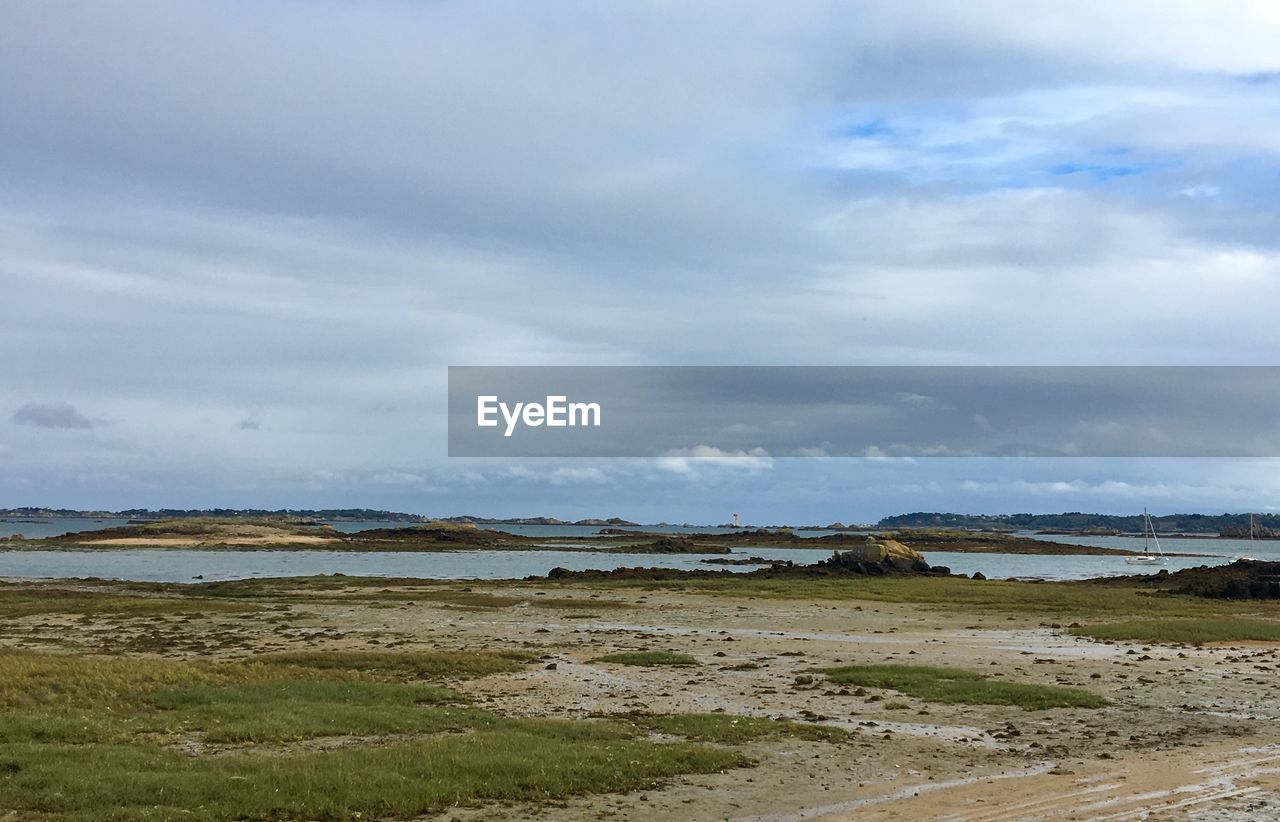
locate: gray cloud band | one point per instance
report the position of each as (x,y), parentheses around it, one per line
(864,411)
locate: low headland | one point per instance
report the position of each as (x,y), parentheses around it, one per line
(292,534)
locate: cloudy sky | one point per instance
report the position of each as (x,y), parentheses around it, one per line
(240,244)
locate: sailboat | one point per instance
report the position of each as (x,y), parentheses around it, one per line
(1146,557)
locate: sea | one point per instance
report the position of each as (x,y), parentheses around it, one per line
(175,565)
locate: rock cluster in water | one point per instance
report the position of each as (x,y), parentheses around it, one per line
(877,557)
(1242,579)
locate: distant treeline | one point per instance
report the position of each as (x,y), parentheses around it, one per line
(169,513)
(295,513)
(1076,521)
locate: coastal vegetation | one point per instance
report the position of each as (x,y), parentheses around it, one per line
(18,600)
(291,533)
(1078,522)
(1061,600)
(352,697)
(1184,630)
(94,737)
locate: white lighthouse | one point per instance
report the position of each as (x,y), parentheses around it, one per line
(735,521)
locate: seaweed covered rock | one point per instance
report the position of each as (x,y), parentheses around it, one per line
(679,545)
(1242,579)
(875,559)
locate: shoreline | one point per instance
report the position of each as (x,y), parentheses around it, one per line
(268,535)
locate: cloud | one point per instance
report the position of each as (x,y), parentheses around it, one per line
(320,210)
(50,415)
(695,462)
(920,402)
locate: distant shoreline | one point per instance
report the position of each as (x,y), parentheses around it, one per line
(267,534)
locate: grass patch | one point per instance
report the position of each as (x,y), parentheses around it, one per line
(407,665)
(647,658)
(525,761)
(1184,630)
(30,601)
(1064,599)
(210,526)
(29,679)
(962,687)
(727,729)
(124,684)
(87,737)
(284,711)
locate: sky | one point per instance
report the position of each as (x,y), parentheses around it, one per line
(241,243)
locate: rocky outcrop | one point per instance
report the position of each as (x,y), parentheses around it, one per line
(875,558)
(1242,579)
(676,545)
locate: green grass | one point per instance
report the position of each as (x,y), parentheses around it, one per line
(1184,630)
(647,658)
(94,737)
(1043,599)
(259,712)
(28,601)
(956,686)
(409,664)
(521,761)
(284,711)
(727,729)
(29,679)
(216,526)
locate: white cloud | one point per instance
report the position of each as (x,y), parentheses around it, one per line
(315,213)
(697,461)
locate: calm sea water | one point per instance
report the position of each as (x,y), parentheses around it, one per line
(39,529)
(59,526)
(185,566)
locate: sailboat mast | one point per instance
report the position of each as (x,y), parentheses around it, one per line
(1152,526)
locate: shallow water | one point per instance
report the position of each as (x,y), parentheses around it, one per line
(37,528)
(1230,548)
(183,566)
(186,565)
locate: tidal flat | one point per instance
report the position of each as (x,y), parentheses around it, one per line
(346,697)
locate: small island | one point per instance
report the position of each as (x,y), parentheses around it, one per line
(291,533)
